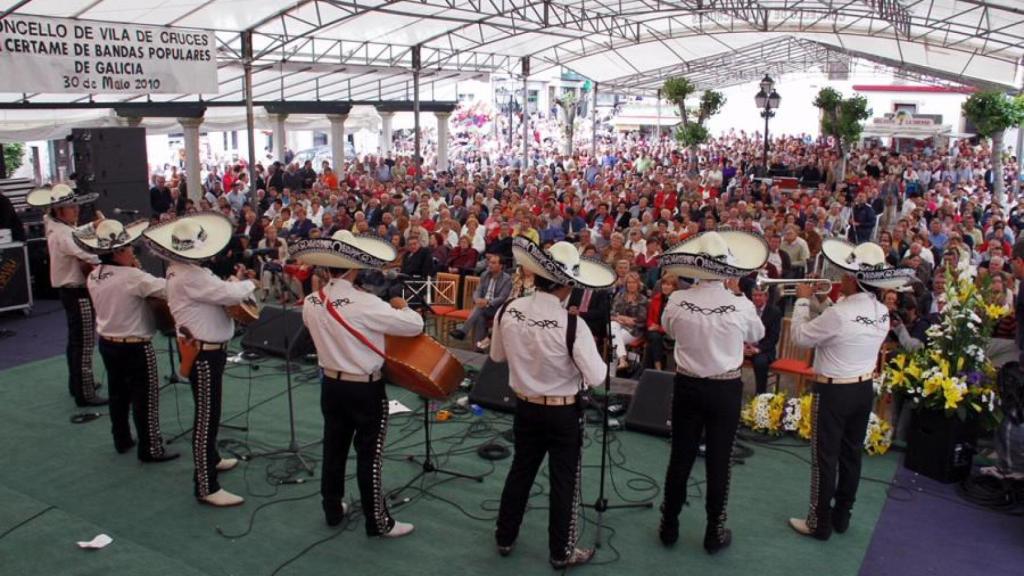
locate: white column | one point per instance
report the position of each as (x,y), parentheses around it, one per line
(338,140)
(280,135)
(385,132)
(192,169)
(442,140)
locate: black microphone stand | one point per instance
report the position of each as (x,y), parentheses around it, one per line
(601,505)
(294,448)
(427,465)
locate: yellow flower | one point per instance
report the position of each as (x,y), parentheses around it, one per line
(934,384)
(914,371)
(952,393)
(960,364)
(995,311)
(897,379)
(805,417)
(900,361)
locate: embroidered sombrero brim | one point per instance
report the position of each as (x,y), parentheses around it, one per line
(352,252)
(216,229)
(86,238)
(840,253)
(590,273)
(53,197)
(748,253)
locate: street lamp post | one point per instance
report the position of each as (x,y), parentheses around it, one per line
(767,100)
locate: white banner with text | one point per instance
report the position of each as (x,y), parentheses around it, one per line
(78,56)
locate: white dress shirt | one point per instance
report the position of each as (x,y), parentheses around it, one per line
(847,336)
(710,324)
(531,338)
(119,297)
(197,299)
(336,347)
(65,256)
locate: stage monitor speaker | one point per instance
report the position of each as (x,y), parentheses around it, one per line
(491,389)
(276,326)
(650,411)
(113,163)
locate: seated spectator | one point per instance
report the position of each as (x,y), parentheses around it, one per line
(629,317)
(655,355)
(463,258)
(763,353)
(493,290)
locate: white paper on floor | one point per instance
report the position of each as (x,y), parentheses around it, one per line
(101,541)
(396,407)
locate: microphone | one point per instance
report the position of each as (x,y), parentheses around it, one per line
(395,274)
(125,211)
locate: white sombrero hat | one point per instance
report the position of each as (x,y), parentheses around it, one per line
(108,235)
(57,195)
(866,262)
(345,250)
(562,264)
(191,238)
(716,255)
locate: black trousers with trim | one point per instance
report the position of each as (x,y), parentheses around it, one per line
(207,378)
(555,432)
(356,411)
(81,341)
(840,414)
(134,388)
(709,409)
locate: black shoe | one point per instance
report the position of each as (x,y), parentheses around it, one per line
(840,521)
(506,550)
(165,457)
(579,557)
(123,447)
(334,512)
(713,541)
(96,401)
(668,530)
(457,334)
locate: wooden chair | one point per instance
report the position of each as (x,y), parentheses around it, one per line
(444,298)
(792,360)
(461,314)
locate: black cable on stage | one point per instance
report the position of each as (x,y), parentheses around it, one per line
(26,521)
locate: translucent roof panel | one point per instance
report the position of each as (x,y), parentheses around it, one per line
(625,43)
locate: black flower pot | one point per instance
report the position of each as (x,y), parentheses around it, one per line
(940,447)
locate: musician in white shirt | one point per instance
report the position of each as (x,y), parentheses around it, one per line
(197,300)
(119,289)
(847,338)
(551,356)
(68,264)
(710,325)
(353,399)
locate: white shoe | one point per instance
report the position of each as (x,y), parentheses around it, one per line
(222,499)
(398,530)
(226,464)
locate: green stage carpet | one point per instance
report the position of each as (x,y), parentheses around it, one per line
(71,474)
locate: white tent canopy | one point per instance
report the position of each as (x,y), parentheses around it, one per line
(362,49)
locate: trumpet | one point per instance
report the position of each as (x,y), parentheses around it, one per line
(787,287)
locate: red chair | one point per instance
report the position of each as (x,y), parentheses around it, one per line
(793,361)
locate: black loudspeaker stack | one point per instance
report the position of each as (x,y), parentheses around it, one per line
(491,389)
(651,408)
(113,163)
(279,332)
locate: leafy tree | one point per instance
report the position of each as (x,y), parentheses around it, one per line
(992,113)
(13,156)
(842,119)
(692,132)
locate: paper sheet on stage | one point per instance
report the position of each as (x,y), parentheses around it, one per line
(396,407)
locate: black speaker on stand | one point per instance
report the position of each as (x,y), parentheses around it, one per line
(112,162)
